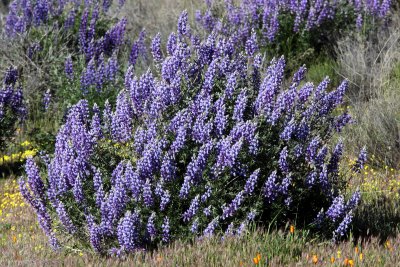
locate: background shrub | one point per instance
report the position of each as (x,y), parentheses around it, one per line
(298,29)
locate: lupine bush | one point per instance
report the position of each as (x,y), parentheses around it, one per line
(209,142)
(12,107)
(292,26)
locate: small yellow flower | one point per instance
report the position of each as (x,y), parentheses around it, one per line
(351,263)
(356,250)
(332,259)
(159,258)
(259,256)
(346,262)
(388,245)
(361,256)
(339,253)
(292,228)
(14,239)
(256,260)
(315,259)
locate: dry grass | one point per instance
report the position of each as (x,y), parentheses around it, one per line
(372,67)
(157,15)
(367,61)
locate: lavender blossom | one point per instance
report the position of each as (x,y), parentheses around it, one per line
(251,182)
(271,188)
(166,235)
(362,158)
(192,210)
(229,210)
(337,209)
(151,228)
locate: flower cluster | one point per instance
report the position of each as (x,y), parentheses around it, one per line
(24,14)
(216,141)
(12,107)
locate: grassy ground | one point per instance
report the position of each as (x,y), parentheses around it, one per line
(22,242)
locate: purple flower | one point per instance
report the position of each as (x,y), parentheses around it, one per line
(251,46)
(128,232)
(312,149)
(65,219)
(207,211)
(195,226)
(337,209)
(240,106)
(221,119)
(171,44)
(166,235)
(195,168)
(285,185)
(228,153)
(283,164)
(231,85)
(192,210)
(69,71)
(34,179)
(122,119)
(151,228)
(251,182)
(156,48)
(299,75)
(183,25)
(209,231)
(333,166)
(46,99)
(165,199)
(206,194)
(354,200)
(362,158)
(271,188)
(288,131)
(229,210)
(343,227)
(147,194)
(311,179)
